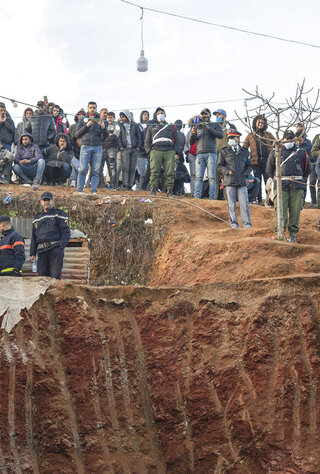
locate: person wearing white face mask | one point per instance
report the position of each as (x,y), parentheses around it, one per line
(294,170)
(162,143)
(235,164)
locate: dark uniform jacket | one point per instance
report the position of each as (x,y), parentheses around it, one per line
(293,162)
(7,131)
(49,227)
(239,163)
(12,254)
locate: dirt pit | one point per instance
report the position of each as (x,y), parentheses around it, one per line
(212,367)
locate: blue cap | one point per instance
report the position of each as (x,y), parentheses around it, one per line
(46,195)
(220,111)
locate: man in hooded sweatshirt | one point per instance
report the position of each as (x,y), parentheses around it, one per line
(58,159)
(162,143)
(130,140)
(260,143)
(29,162)
(22,125)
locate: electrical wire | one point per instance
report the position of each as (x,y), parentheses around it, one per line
(241,30)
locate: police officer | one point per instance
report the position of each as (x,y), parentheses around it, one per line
(50,235)
(12,254)
(294,170)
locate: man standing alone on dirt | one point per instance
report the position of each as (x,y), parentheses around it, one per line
(235,164)
(50,235)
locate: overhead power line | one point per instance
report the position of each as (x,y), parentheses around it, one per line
(241,30)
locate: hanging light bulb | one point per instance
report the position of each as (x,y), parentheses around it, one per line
(142,62)
(14,103)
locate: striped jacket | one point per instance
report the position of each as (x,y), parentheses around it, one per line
(51,226)
(12,254)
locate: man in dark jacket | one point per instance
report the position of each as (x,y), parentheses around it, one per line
(91,129)
(76,144)
(7,128)
(162,143)
(110,146)
(143,163)
(12,254)
(205,134)
(41,126)
(235,164)
(58,160)
(50,235)
(130,140)
(29,162)
(22,125)
(294,169)
(260,143)
(59,122)
(6,159)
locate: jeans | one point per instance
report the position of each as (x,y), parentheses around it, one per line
(203,161)
(34,171)
(142,167)
(192,166)
(75,164)
(58,175)
(253,189)
(129,158)
(92,155)
(234,194)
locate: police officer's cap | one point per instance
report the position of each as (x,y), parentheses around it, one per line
(289,135)
(4,219)
(234,133)
(46,195)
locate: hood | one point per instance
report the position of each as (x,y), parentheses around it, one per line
(127,113)
(24,113)
(178,124)
(155,113)
(25,134)
(66,137)
(76,117)
(254,123)
(142,114)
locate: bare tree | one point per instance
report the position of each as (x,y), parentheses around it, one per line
(302,107)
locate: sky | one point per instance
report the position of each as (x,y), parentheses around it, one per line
(76,51)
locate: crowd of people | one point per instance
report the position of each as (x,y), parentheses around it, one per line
(102,150)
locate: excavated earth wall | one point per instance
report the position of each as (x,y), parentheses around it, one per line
(219,378)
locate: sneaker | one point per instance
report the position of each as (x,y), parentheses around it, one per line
(73,183)
(153,192)
(80,192)
(169,194)
(93,192)
(3,180)
(26,181)
(292,238)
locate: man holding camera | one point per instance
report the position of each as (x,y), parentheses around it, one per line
(92,130)
(205,134)
(7,128)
